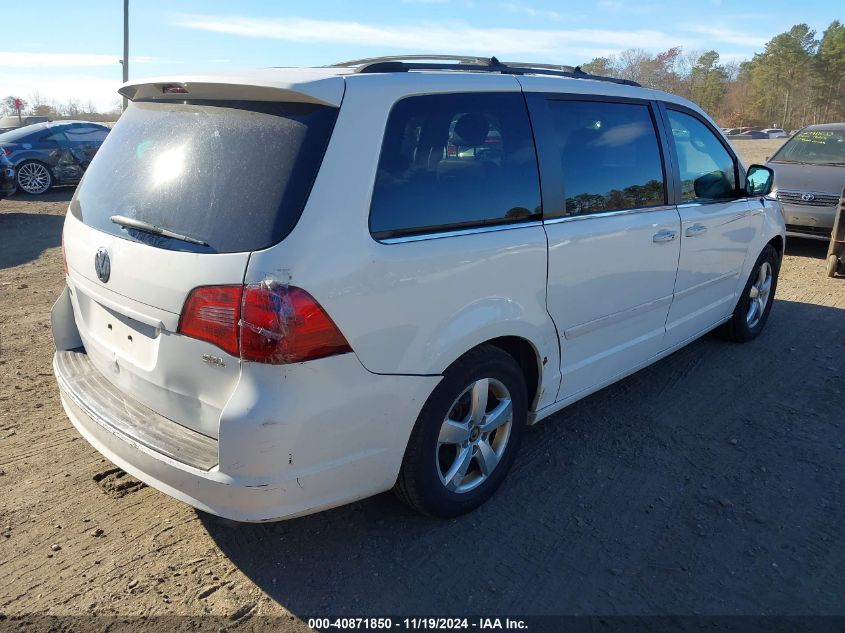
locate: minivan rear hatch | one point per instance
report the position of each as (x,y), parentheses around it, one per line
(177,197)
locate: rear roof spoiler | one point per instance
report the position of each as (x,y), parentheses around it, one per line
(302,86)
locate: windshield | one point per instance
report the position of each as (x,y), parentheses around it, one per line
(233,175)
(814,147)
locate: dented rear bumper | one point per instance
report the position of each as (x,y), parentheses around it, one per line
(292,439)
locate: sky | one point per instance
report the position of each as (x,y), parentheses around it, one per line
(73,52)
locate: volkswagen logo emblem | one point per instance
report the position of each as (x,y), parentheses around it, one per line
(808,197)
(102,264)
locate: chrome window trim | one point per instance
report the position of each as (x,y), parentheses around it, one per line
(458,232)
(689,205)
(608,214)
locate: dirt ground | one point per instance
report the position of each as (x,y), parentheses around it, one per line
(708,483)
(757,150)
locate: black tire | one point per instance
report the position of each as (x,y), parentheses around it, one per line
(22,171)
(738,328)
(419,484)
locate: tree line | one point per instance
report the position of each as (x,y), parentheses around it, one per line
(796,80)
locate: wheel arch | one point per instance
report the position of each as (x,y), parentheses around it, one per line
(527,357)
(31,157)
(777,243)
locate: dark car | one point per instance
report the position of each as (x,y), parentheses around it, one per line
(47,154)
(7,177)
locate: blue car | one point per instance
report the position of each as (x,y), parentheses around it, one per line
(48,154)
(7,177)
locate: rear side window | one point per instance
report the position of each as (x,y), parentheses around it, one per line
(235,175)
(455,161)
(59,137)
(609,156)
(79,134)
(707,169)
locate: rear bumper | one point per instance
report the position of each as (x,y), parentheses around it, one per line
(97,399)
(802,232)
(267,473)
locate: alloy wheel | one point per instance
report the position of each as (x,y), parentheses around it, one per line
(758,294)
(34,178)
(474,435)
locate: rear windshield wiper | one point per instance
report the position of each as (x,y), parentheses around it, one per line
(146,227)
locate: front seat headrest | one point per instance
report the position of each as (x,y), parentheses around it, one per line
(471,129)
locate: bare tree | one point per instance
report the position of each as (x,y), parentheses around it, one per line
(40,105)
(116,108)
(71,108)
(636,65)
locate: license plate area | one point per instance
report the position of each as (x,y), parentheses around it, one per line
(124,337)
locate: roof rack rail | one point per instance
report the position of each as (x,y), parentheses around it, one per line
(464,59)
(405,63)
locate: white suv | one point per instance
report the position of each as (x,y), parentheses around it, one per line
(294,288)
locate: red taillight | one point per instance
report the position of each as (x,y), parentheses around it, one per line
(286,325)
(212,313)
(265,324)
(7,151)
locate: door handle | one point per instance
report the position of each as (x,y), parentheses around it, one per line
(664,236)
(695,229)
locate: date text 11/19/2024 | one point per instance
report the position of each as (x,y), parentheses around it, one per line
(413,624)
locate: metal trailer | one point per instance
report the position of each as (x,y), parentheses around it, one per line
(836,250)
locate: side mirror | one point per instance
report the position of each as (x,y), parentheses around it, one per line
(759,180)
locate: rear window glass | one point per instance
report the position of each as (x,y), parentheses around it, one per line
(609,156)
(234,175)
(12,136)
(455,161)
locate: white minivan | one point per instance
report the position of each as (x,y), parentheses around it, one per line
(293,288)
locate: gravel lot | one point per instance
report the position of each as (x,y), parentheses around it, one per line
(757,151)
(709,483)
